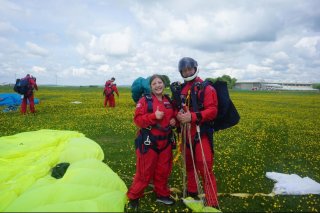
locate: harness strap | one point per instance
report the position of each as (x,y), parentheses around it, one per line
(149,102)
(196,105)
(150,141)
(159,127)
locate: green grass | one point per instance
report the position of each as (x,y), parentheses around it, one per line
(278,131)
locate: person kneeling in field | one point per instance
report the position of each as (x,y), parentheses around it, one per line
(154,115)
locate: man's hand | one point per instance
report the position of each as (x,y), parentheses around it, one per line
(184,117)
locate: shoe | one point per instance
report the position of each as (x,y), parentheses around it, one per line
(194,195)
(166,200)
(133,205)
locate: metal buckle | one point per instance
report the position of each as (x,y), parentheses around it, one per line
(147,142)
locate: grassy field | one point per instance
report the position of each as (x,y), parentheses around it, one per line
(278,132)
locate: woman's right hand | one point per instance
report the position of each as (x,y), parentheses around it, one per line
(159,114)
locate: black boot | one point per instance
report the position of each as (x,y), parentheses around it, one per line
(194,195)
(133,205)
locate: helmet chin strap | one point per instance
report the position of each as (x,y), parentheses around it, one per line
(190,78)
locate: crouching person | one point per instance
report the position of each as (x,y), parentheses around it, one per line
(154,116)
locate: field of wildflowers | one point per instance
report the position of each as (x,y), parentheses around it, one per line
(278,132)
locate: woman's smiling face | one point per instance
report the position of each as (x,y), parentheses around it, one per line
(157,86)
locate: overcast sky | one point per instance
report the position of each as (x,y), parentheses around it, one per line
(86,42)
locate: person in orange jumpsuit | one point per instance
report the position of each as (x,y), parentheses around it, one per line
(153,144)
(29,96)
(188,69)
(108,91)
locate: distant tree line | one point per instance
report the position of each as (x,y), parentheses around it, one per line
(316,86)
(231,82)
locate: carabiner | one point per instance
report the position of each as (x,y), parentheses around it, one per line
(147,142)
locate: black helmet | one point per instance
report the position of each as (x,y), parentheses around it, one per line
(188,62)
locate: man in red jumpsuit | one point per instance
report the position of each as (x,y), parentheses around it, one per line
(29,95)
(108,91)
(188,69)
(153,147)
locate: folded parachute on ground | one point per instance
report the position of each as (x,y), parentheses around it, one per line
(12,99)
(27,183)
(139,87)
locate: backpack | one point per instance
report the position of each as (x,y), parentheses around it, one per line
(227,116)
(22,86)
(139,87)
(108,89)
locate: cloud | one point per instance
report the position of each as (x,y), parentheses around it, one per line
(87,42)
(309,46)
(39,70)
(6,27)
(75,72)
(35,49)
(210,31)
(96,49)
(104,68)
(117,43)
(9,6)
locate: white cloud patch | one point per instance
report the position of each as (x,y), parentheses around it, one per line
(280,56)
(80,72)
(35,49)
(96,49)
(309,46)
(117,43)
(95,58)
(9,7)
(39,70)
(6,27)
(105,69)
(213,29)
(267,62)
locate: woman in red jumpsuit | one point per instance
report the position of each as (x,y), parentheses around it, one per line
(154,161)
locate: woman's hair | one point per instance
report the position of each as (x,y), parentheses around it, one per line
(154,77)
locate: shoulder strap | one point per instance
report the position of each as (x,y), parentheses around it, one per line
(149,102)
(176,88)
(197,104)
(168,98)
(195,88)
(201,98)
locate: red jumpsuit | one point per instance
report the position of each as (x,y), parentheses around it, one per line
(152,165)
(208,113)
(29,96)
(110,97)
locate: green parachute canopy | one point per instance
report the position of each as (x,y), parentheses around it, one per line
(139,87)
(28,182)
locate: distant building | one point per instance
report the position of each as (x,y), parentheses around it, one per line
(274,86)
